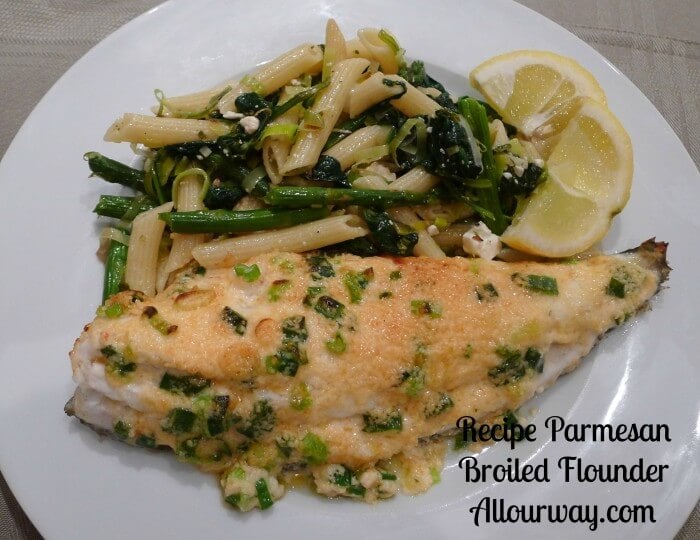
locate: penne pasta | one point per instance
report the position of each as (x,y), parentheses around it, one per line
(299,238)
(276,148)
(345,152)
(371,91)
(375,89)
(188,199)
(142,256)
(335,49)
(417,179)
(354,48)
(426,245)
(187,104)
(155,132)
(162,273)
(306,58)
(328,105)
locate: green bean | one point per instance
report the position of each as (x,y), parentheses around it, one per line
(299,197)
(234,221)
(116,206)
(115,172)
(114,269)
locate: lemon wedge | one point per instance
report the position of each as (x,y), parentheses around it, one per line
(561,109)
(557,221)
(527,88)
(589,180)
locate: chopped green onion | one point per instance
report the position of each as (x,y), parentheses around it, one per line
(253,84)
(314,449)
(390,40)
(279,130)
(336,345)
(312,121)
(369,155)
(299,397)
(263,493)
(297,99)
(424,307)
(277,289)
(195,171)
(616,288)
(248,273)
(540,284)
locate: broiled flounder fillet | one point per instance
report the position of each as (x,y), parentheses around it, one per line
(341,362)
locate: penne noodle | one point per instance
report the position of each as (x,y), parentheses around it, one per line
(426,245)
(162,273)
(328,105)
(188,200)
(335,49)
(191,103)
(275,151)
(417,179)
(346,150)
(379,50)
(373,90)
(276,148)
(356,49)
(306,58)
(142,256)
(155,132)
(299,238)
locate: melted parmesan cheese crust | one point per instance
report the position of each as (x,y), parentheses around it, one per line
(427,340)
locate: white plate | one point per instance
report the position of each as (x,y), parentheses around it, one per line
(74,485)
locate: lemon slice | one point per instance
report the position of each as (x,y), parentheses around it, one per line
(557,222)
(593,155)
(527,88)
(590,176)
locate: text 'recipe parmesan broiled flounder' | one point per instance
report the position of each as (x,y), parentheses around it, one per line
(340,365)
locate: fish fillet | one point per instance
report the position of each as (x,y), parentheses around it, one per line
(341,364)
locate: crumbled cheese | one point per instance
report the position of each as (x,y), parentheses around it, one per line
(429,129)
(370,478)
(250,124)
(518,170)
(539,162)
(433,230)
(378,169)
(205,151)
(233,115)
(507,175)
(295,82)
(481,242)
